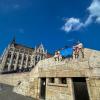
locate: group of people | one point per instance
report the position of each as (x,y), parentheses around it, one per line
(57,56)
(77,50)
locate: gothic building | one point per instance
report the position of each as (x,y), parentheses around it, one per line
(19,58)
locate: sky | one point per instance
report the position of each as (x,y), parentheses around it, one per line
(54,23)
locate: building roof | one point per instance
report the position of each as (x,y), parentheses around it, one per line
(18,46)
(49,55)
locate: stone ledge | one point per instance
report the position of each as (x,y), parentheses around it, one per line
(58,85)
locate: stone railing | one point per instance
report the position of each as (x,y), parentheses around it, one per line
(91,59)
(68,64)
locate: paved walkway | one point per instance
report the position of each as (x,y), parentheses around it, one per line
(6,93)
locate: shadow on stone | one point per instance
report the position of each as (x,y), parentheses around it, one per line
(6,93)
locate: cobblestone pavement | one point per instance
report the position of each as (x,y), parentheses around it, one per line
(6,93)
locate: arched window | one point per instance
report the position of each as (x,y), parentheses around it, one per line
(5,68)
(12,68)
(17,69)
(35,58)
(15,55)
(20,57)
(25,58)
(9,55)
(29,59)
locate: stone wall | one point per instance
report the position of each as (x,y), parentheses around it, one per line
(94,88)
(89,67)
(30,86)
(56,91)
(13,79)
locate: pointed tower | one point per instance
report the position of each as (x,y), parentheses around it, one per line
(14,40)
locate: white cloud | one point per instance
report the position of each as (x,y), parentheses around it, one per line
(94,10)
(72,24)
(88,20)
(98,20)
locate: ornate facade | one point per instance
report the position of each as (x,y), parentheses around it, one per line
(19,58)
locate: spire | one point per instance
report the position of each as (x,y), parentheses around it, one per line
(14,39)
(41,45)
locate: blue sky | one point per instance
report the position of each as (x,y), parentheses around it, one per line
(55,23)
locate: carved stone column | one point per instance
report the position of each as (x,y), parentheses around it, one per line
(22,61)
(11,60)
(16,64)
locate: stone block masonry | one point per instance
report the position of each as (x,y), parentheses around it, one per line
(58,80)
